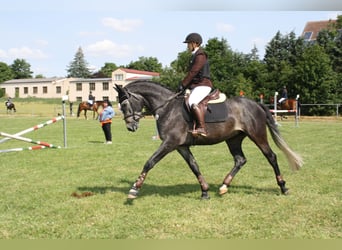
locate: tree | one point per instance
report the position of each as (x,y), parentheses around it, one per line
(79,66)
(281,56)
(5,72)
(108,68)
(146,64)
(21,69)
(222,71)
(316,79)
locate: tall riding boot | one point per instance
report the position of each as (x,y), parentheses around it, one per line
(200,126)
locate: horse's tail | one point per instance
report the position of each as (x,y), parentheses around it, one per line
(295,160)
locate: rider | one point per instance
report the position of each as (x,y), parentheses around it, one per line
(197,80)
(283,95)
(91,99)
(9,101)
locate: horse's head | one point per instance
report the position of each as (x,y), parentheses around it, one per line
(131,106)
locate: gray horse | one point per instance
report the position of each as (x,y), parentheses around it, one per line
(244,118)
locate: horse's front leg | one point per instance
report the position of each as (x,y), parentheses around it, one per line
(190,159)
(163,150)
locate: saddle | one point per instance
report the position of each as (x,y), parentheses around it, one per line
(212,106)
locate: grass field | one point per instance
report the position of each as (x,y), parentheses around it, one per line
(37,186)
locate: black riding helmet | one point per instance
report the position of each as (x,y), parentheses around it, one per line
(193,38)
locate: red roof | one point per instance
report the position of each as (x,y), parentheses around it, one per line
(316,26)
(140,72)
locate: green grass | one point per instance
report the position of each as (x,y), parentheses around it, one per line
(36,186)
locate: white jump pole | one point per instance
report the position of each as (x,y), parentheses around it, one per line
(46,144)
(34,128)
(275,106)
(296,121)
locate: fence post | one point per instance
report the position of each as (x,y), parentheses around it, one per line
(64,98)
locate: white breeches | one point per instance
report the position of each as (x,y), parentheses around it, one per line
(281,100)
(198,94)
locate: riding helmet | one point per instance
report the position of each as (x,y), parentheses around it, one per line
(193,38)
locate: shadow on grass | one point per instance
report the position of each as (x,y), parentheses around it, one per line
(176,190)
(96,142)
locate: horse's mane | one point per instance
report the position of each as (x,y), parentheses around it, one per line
(149,81)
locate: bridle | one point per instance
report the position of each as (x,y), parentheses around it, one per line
(135,115)
(139,115)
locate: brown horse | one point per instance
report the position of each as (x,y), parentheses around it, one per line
(288,104)
(84,106)
(10,107)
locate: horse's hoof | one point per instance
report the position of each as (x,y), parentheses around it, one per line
(285,191)
(132,194)
(223,189)
(205,196)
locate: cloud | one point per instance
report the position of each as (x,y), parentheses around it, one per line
(23,52)
(124,25)
(225,27)
(107,47)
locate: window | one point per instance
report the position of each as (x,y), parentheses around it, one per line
(118,77)
(105,86)
(307,35)
(35,90)
(45,90)
(91,86)
(79,98)
(105,98)
(16,92)
(58,89)
(25,90)
(79,86)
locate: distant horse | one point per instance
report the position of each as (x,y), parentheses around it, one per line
(84,106)
(244,118)
(10,107)
(288,104)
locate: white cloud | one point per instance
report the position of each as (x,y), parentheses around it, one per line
(334,15)
(123,25)
(23,52)
(3,54)
(225,27)
(107,47)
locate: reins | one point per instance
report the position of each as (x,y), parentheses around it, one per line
(167,101)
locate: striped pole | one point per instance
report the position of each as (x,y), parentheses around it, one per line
(29,140)
(34,128)
(21,149)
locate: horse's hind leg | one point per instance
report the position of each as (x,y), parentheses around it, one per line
(234,145)
(189,158)
(262,143)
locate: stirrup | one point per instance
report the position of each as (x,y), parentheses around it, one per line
(197,132)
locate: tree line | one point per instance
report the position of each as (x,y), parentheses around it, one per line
(311,69)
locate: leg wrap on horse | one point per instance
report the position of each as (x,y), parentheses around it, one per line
(140,180)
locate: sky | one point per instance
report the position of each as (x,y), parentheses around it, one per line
(47,34)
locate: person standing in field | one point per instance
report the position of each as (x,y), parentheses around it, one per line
(105,119)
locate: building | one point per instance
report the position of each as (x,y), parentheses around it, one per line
(37,87)
(312,29)
(77,89)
